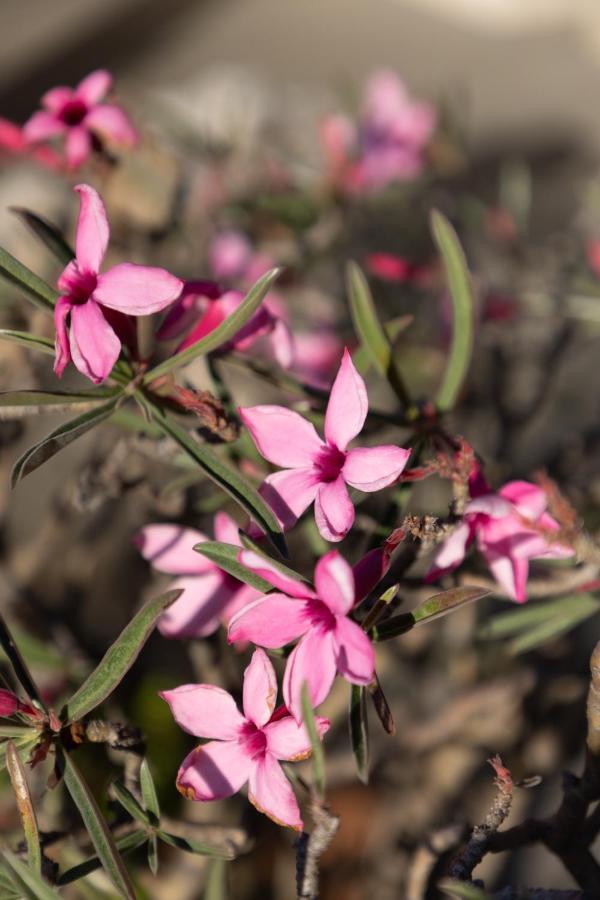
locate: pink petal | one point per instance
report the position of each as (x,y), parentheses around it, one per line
(226,530)
(511,575)
(369,571)
(373,468)
(334,512)
(529,499)
(200,609)
(213,316)
(334,581)
(229,254)
(61,343)
(54,99)
(288,740)
(355,656)
(205,710)
(42,126)
(289,493)
(313,661)
(241,596)
(348,405)
(78,146)
(269,571)
(271,793)
(111,122)
(282,436)
(95,347)
(214,771)
(92,230)
(260,689)
(137,290)
(451,553)
(170,549)
(492,505)
(94,87)
(271,621)
(282,342)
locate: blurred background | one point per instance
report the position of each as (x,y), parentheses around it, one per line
(516,165)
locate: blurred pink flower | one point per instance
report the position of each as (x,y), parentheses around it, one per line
(79,115)
(13,142)
(387,142)
(317,470)
(89,340)
(398,269)
(210,596)
(330,643)
(510,528)
(241,748)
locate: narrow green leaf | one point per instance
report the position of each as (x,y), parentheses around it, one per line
(393,329)
(148,788)
(370,331)
(216,882)
(61,437)
(237,488)
(359,731)
(223,333)
(153,854)
(561,619)
(124,845)
(441,604)
(462,890)
(36,290)
(34,884)
(18,663)
(225,557)
(16,771)
(463,310)
(191,846)
(318,757)
(528,618)
(130,803)
(97,829)
(49,234)
(118,659)
(18,404)
(28,340)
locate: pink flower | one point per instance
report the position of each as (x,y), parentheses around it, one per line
(241,748)
(390,267)
(330,644)
(10,704)
(210,596)
(510,527)
(13,142)
(387,143)
(317,470)
(80,116)
(88,297)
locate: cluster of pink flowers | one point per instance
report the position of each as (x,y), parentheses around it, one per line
(387,142)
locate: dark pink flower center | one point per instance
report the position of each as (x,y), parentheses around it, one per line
(79,285)
(329,463)
(320,616)
(73,112)
(253,740)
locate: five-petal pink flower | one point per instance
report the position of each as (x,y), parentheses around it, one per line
(210,596)
(242,747)
(330,642)
(317,470)
(87,296)
(510,528)
(80,116)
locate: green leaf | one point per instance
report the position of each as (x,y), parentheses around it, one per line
(118,659)
(463,310)
(61,437)
(36,290)
(16,771)
(371,333)
(97,829)
(191,846)
(33,883)
(225,557)
(130,804)
(223,333)
(28,340)
(148,788)
(216,882)
(441,604)
(318,757)
(359,731)
(462,890)
(130,842)
(17,404)
(153,854)
(18,663)
(237,488)
(49,234)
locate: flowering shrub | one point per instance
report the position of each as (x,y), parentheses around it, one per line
(139,334)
